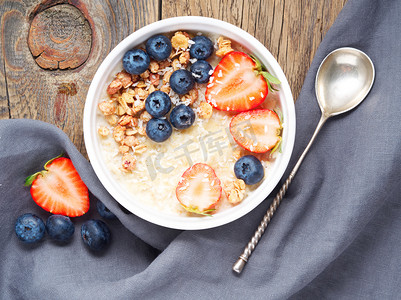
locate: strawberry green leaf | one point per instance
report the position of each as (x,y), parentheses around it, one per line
(259,66)
(277,147)
(269,80)
(279,114)
(195,210)
(271,89)
(29,180)
(261,69)
(270,77)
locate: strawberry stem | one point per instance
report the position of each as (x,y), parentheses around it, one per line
(261,70)
(50,161)
(259,65)
(279,114)
(30,179)
(277,146)
(195,210)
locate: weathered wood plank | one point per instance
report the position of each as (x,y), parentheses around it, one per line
(60,37)
(291,30)
(58,96)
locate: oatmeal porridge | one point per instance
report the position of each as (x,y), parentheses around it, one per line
(190,146)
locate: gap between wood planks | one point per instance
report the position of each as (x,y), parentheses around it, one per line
(292,31)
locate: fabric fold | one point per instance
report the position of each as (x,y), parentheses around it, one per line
(336,234)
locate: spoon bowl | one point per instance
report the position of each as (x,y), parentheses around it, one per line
(343,80)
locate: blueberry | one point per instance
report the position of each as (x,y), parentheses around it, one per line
(202,48)
(158,130)
(60,228)
(182,116)
(136,61)
(29,228)
(249,169)
(104,212)
(158,104)
(158,47)
(182,81)
(95,234)
(200,71)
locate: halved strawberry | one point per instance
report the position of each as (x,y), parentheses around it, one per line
(59,189)
(239,83)
(199,189)
(257,130)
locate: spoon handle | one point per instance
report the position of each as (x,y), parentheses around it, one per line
(243,258)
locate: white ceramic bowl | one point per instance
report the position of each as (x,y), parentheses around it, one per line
(105,74)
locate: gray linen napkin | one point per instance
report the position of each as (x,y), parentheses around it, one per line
(336,235)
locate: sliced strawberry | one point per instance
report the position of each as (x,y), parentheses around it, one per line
(199,189)
(239,83)
(59,189)
(234,86)
(257,130)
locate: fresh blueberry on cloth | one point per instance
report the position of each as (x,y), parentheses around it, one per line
(29,228)
(60,228)
(95,234)
(104,212)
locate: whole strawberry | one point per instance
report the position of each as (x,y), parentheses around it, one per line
(59,189)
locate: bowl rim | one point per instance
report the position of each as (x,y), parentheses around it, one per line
(156,217)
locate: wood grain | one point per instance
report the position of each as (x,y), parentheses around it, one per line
(291,30)
(58,96)
(60,37)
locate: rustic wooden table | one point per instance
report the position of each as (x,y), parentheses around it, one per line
(50,49)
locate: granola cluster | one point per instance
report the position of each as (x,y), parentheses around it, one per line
(224,47)
(235,191)
(125,113)
(125,109)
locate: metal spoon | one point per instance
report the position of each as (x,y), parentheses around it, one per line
(343,80)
